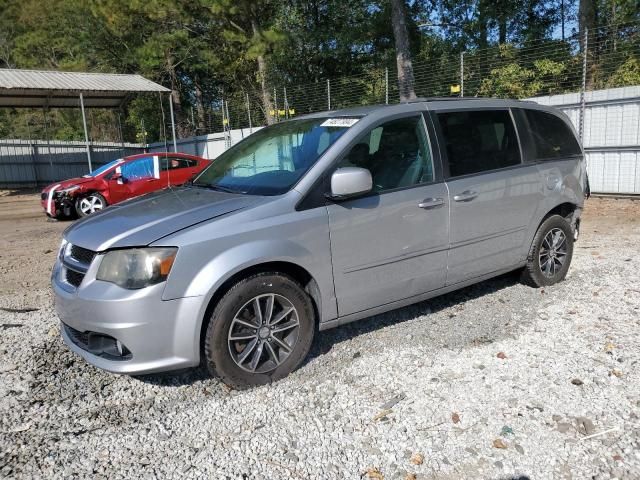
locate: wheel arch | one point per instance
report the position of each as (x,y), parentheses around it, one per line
(90,191)
(567,210)
(295,271)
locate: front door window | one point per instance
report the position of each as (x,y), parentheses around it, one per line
(397,154)
(138,169)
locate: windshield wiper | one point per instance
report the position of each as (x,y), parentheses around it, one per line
(218,188)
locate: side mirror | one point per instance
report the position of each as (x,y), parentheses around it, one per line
(349,182)
(116,176)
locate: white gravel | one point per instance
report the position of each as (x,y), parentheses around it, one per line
(564,401)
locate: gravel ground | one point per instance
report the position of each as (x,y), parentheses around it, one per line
(498,380)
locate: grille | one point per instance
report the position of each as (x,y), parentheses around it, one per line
(82,255)
(74,278)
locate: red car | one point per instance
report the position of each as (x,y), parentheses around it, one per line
(119,180)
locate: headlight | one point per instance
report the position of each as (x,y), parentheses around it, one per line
(73,188)
(137,267)
(63,247)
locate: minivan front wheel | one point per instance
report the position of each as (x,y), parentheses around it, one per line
(260,330)
(551,253)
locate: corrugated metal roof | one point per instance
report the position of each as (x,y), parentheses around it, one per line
(38,88)
(76,81)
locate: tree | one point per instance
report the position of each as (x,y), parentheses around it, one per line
(259,52)
(207,51)
(163,40)
(587,14)
(9,26)
(249,24)
(406,81)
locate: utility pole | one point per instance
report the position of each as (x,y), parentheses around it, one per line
(86,133)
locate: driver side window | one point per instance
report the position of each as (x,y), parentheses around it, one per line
(397,154)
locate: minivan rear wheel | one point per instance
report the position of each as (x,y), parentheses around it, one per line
(260,330)
(550,254)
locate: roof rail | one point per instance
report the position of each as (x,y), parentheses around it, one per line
(445,99)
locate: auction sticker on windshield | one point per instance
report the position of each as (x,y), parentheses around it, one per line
(339,122)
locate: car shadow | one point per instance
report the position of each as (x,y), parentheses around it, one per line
(177,378)
(59,219)
(326,340)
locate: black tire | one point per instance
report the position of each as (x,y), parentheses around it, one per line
(218,344)
(543,269)
(96,197)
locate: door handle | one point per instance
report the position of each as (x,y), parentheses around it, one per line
(465,196)
(429,203)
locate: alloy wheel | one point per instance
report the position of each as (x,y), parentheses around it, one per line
(553,252)
(91,204)
(263,333)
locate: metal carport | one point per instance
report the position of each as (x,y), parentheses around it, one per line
(50,89)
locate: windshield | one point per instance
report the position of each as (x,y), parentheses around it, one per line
(104,168)
(272,160)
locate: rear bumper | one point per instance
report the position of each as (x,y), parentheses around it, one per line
(575,223)
(160,334)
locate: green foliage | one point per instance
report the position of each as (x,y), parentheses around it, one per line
(208,50)
(513,80)
(626,74)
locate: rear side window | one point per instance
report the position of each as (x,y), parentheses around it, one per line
(479,141)
(552,137)
(172,163)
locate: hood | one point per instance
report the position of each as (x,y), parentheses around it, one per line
(148,218)
(68,183)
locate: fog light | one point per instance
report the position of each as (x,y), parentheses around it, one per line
(108,347)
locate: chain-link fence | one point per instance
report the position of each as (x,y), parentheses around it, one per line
(603,58)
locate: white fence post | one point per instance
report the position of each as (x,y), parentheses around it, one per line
(386,86)
(462,74)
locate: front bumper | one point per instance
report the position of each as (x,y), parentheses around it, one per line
(158,335)
(57,205)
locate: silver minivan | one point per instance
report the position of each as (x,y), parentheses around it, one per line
(315,222)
